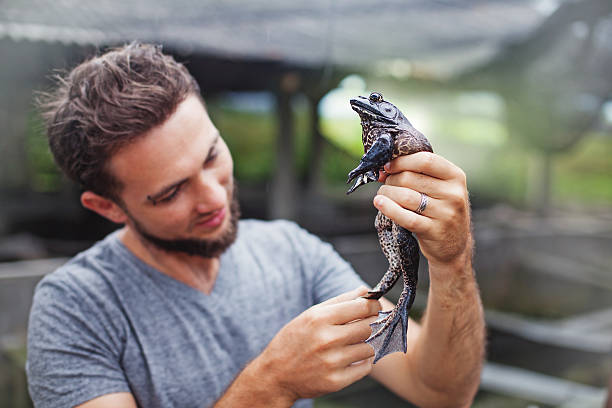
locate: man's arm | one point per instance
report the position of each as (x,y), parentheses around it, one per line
(444,359)
(320,351)
(119,399)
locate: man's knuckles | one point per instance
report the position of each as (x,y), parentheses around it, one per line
(333,360)
(461,176)
(335,381)
(457,196)
(426,162)
(324,340)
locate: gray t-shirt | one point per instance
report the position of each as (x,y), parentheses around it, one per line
(107,322)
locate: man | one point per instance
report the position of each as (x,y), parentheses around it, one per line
(183,307)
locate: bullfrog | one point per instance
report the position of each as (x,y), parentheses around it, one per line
(387,134)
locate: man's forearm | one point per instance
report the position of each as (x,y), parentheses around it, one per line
(450,350)
(253,388)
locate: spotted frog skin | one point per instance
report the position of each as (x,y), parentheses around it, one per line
(386,135)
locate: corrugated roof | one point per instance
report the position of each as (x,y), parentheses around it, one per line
(440,36)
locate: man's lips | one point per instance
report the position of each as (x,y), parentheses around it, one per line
(213,220)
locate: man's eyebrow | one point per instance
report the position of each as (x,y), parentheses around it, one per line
(165,190)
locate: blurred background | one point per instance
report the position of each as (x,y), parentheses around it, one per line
(518,93)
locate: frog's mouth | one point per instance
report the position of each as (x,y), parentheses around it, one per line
(368,113)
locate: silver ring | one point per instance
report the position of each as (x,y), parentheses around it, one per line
(422,205)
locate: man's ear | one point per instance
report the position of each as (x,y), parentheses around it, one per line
(103,206)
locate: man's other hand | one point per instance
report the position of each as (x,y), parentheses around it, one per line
(322,350)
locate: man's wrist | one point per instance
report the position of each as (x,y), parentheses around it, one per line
(266,374)
(451,268)
(450,279)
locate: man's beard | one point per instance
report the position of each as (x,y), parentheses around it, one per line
(206,248)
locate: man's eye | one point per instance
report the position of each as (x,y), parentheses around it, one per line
(211,157)
(171,196)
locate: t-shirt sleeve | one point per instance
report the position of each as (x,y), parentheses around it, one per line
(73,353)
(329,275)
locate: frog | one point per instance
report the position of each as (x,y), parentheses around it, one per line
(386,135)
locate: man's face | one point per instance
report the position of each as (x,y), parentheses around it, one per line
(178,187)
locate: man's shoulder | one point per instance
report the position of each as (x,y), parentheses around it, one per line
(86,271)
(282,240)
(274,232)
(255,226)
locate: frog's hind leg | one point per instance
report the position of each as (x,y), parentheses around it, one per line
(389,330)
(384,227)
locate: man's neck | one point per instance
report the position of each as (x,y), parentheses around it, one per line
(195,271)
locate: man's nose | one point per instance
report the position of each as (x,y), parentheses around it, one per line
(211,193)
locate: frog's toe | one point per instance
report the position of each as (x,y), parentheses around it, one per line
(374,294)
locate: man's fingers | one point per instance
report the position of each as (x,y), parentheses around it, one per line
(355,372)
(355,353)
(351,310)
(411,199)
(406,218)
(429,185)
(358,331)
(344,297)
(426,163)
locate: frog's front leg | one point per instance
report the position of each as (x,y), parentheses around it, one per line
(371,162)
(365,178)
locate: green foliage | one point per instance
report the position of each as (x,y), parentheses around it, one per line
(496,169)
(585,174)
(502,177)
(44,174)
(337,163)
(473,131)
(344,133)
(251,138)
(302,138)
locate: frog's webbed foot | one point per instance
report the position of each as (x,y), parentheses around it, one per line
(389,330)
(371,162)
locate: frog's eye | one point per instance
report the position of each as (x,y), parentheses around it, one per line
(376,97)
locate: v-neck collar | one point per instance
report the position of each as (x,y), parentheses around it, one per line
(221,287)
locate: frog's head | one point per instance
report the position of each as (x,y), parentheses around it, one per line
(374,111)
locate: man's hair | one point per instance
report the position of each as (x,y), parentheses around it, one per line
(106,103)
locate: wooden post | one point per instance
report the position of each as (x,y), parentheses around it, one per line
(283,192)
(314,178)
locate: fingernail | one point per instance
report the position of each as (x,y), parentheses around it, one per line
(378,201)
(387,166)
